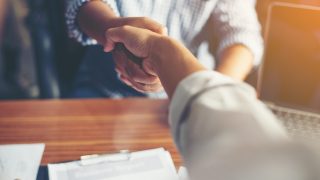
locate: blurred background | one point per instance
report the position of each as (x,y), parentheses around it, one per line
(38,60)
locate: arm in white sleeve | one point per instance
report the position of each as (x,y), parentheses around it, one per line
(211,98)
(74,30)
(236,22)
(223,132)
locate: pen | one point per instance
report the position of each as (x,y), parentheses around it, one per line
(96,159)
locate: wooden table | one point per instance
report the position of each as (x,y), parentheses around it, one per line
(71,128)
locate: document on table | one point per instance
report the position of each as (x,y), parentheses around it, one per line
(153,164)
(183,173)
(20,161)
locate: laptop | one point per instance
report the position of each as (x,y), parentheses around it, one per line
(289,78)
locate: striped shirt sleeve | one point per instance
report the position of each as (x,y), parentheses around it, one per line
(74,31)
(236,22)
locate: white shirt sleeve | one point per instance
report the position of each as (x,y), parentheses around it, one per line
(218,96)
(223,131)
(236,22)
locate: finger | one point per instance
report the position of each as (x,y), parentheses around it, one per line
(130,82)
(120,62)
(139,75)
(135,85)
(118,71)
(148,67)
(144,88)
(125,80)
(130,69)
(152,88)
(146,23)
(109,45)
(140,86)
(136,40)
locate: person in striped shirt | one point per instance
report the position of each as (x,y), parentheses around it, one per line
(231,26)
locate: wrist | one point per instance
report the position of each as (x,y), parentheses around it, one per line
(172,62)
(94,18)
(161,52)
(236,62)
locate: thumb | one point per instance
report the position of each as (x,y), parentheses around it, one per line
(136,40)
(148,67)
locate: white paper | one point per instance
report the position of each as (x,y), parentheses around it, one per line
(150,164)
(183,173)
(20,161)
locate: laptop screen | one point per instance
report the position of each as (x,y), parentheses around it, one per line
(291,70)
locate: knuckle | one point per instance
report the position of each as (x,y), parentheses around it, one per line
(136,79)
(145,79)
(120,66)
(125,27)
(158,28)
(144,19)
(140,79)
(151,88)
(154,80)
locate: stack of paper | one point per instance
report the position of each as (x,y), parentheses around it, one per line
(153,164)
(20,161)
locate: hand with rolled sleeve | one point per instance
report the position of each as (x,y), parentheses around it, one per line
(95,26)
(221,129)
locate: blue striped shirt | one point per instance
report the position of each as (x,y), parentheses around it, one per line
(192,22)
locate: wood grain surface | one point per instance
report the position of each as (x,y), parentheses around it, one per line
(71,128)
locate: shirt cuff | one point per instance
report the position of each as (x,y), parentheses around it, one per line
(72,26)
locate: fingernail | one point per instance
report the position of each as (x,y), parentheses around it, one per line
(117,70)
(105,49)
(165,31)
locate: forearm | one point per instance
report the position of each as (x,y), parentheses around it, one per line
(94,18)
(236,62)
(240,42)
(172,63)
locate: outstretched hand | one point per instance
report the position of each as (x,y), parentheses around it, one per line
(136,40)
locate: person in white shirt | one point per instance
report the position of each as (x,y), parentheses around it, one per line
(221,129)
(232,25)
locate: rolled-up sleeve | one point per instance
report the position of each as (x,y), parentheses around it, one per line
(224,132)
(74,31)
(236,22)
(210,107)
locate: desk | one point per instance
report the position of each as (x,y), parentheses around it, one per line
(71,128)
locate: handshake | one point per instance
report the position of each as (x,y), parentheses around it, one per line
(137,35)
(164,61)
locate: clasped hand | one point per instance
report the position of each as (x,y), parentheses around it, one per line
(130,73)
